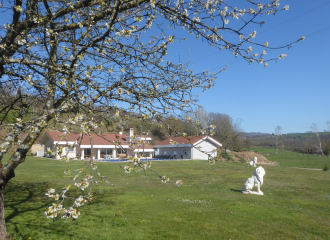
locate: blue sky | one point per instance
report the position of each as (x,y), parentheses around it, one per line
(292,93)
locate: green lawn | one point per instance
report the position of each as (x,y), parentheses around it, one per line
(208,205)
(293,159)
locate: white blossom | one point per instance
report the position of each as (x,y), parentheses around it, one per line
(282,56)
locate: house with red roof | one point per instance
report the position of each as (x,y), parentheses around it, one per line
(105,146)
(192,147)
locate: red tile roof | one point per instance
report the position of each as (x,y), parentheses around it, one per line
(97,140)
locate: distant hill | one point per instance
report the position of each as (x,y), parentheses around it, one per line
(255,134)
(298,142)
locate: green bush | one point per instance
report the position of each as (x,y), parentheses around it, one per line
(325,168)
(226,156)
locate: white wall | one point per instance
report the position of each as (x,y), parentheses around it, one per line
(206,146)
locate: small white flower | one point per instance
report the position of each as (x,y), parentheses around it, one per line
(282,56)
(252,35)
(127,169)
(165,179)
(56,197)
(21,41)
(178,182)
(18,8)
(120,91)
(80,201)
(75,213)
(50,192)
(83,185)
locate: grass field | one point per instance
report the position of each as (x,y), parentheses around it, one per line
(208,205)
(293,159)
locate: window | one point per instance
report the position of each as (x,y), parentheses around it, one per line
(120,151)
(106,151)
(165,152)
(87,151)
(69,149)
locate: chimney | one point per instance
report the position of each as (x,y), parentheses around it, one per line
(129,134)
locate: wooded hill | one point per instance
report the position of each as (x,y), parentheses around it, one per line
(298,142)
(225,131)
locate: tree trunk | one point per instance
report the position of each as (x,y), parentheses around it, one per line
(3,229)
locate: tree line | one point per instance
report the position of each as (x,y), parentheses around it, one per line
(306,143)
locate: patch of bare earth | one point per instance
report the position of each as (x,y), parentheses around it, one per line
(246,157)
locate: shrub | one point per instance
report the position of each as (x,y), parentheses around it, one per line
(226,156)
(325,168)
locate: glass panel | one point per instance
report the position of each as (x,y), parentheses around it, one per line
(120,151)
(87,151)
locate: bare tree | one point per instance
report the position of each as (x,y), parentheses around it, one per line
(79,59)
(225,131)
(278,133)
(202,117)
(315,129)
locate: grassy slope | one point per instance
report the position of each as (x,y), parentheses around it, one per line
(293,159)
(208,206)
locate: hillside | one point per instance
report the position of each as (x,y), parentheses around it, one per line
(298,142)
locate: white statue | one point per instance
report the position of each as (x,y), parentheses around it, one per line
(253,163)
(255,181)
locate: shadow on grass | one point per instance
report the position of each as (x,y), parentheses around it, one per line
(30,197)
(18,194)
(22,198)
(235,190)
(25,204)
